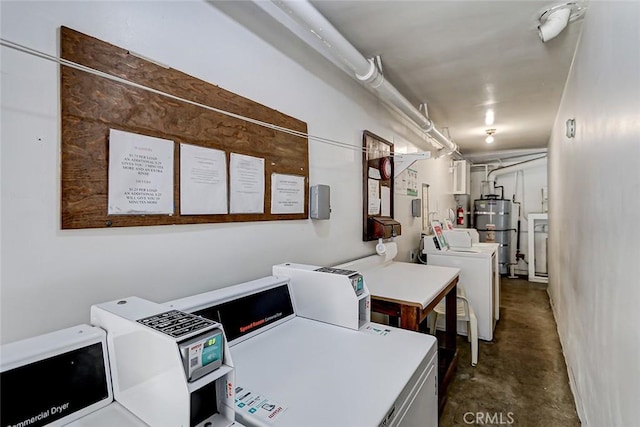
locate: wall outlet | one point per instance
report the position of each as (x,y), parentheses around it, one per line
(412,255)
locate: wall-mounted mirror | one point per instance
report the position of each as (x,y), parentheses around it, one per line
(377,188)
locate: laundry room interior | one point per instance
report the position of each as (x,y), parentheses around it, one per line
(319,213)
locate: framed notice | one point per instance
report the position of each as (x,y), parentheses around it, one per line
(131,157)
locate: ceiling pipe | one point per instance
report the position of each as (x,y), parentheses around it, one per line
(504,155)
(301,18)
(518,166)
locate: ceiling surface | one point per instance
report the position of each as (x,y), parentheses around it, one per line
(463,58)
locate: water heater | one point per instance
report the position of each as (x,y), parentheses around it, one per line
(492,219)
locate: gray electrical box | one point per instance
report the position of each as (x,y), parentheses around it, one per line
(416,207)
(319,201)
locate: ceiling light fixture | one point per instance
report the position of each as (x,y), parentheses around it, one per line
(490,138)
(555,19)
(489,118)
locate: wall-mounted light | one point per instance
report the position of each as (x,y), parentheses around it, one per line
(555,19)
(490,139)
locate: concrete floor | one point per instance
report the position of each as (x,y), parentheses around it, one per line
(521,377)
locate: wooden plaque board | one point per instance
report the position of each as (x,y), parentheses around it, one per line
(374,150)
(91,105)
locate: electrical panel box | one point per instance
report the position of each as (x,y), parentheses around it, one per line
(320,202)
(416,208)
(461,177)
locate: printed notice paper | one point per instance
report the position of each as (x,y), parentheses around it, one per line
(203,180)
(400,183)
(374,173)
(287,194)
(140,174)
(386,201)
(374,197)
(412,182)
(247,184)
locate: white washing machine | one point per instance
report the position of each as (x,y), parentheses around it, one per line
(480,278)
(293,371)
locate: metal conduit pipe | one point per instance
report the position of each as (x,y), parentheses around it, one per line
(518,166)
(302,19)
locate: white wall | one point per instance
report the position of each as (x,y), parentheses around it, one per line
(594,188)
(50,277)
(527,190)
